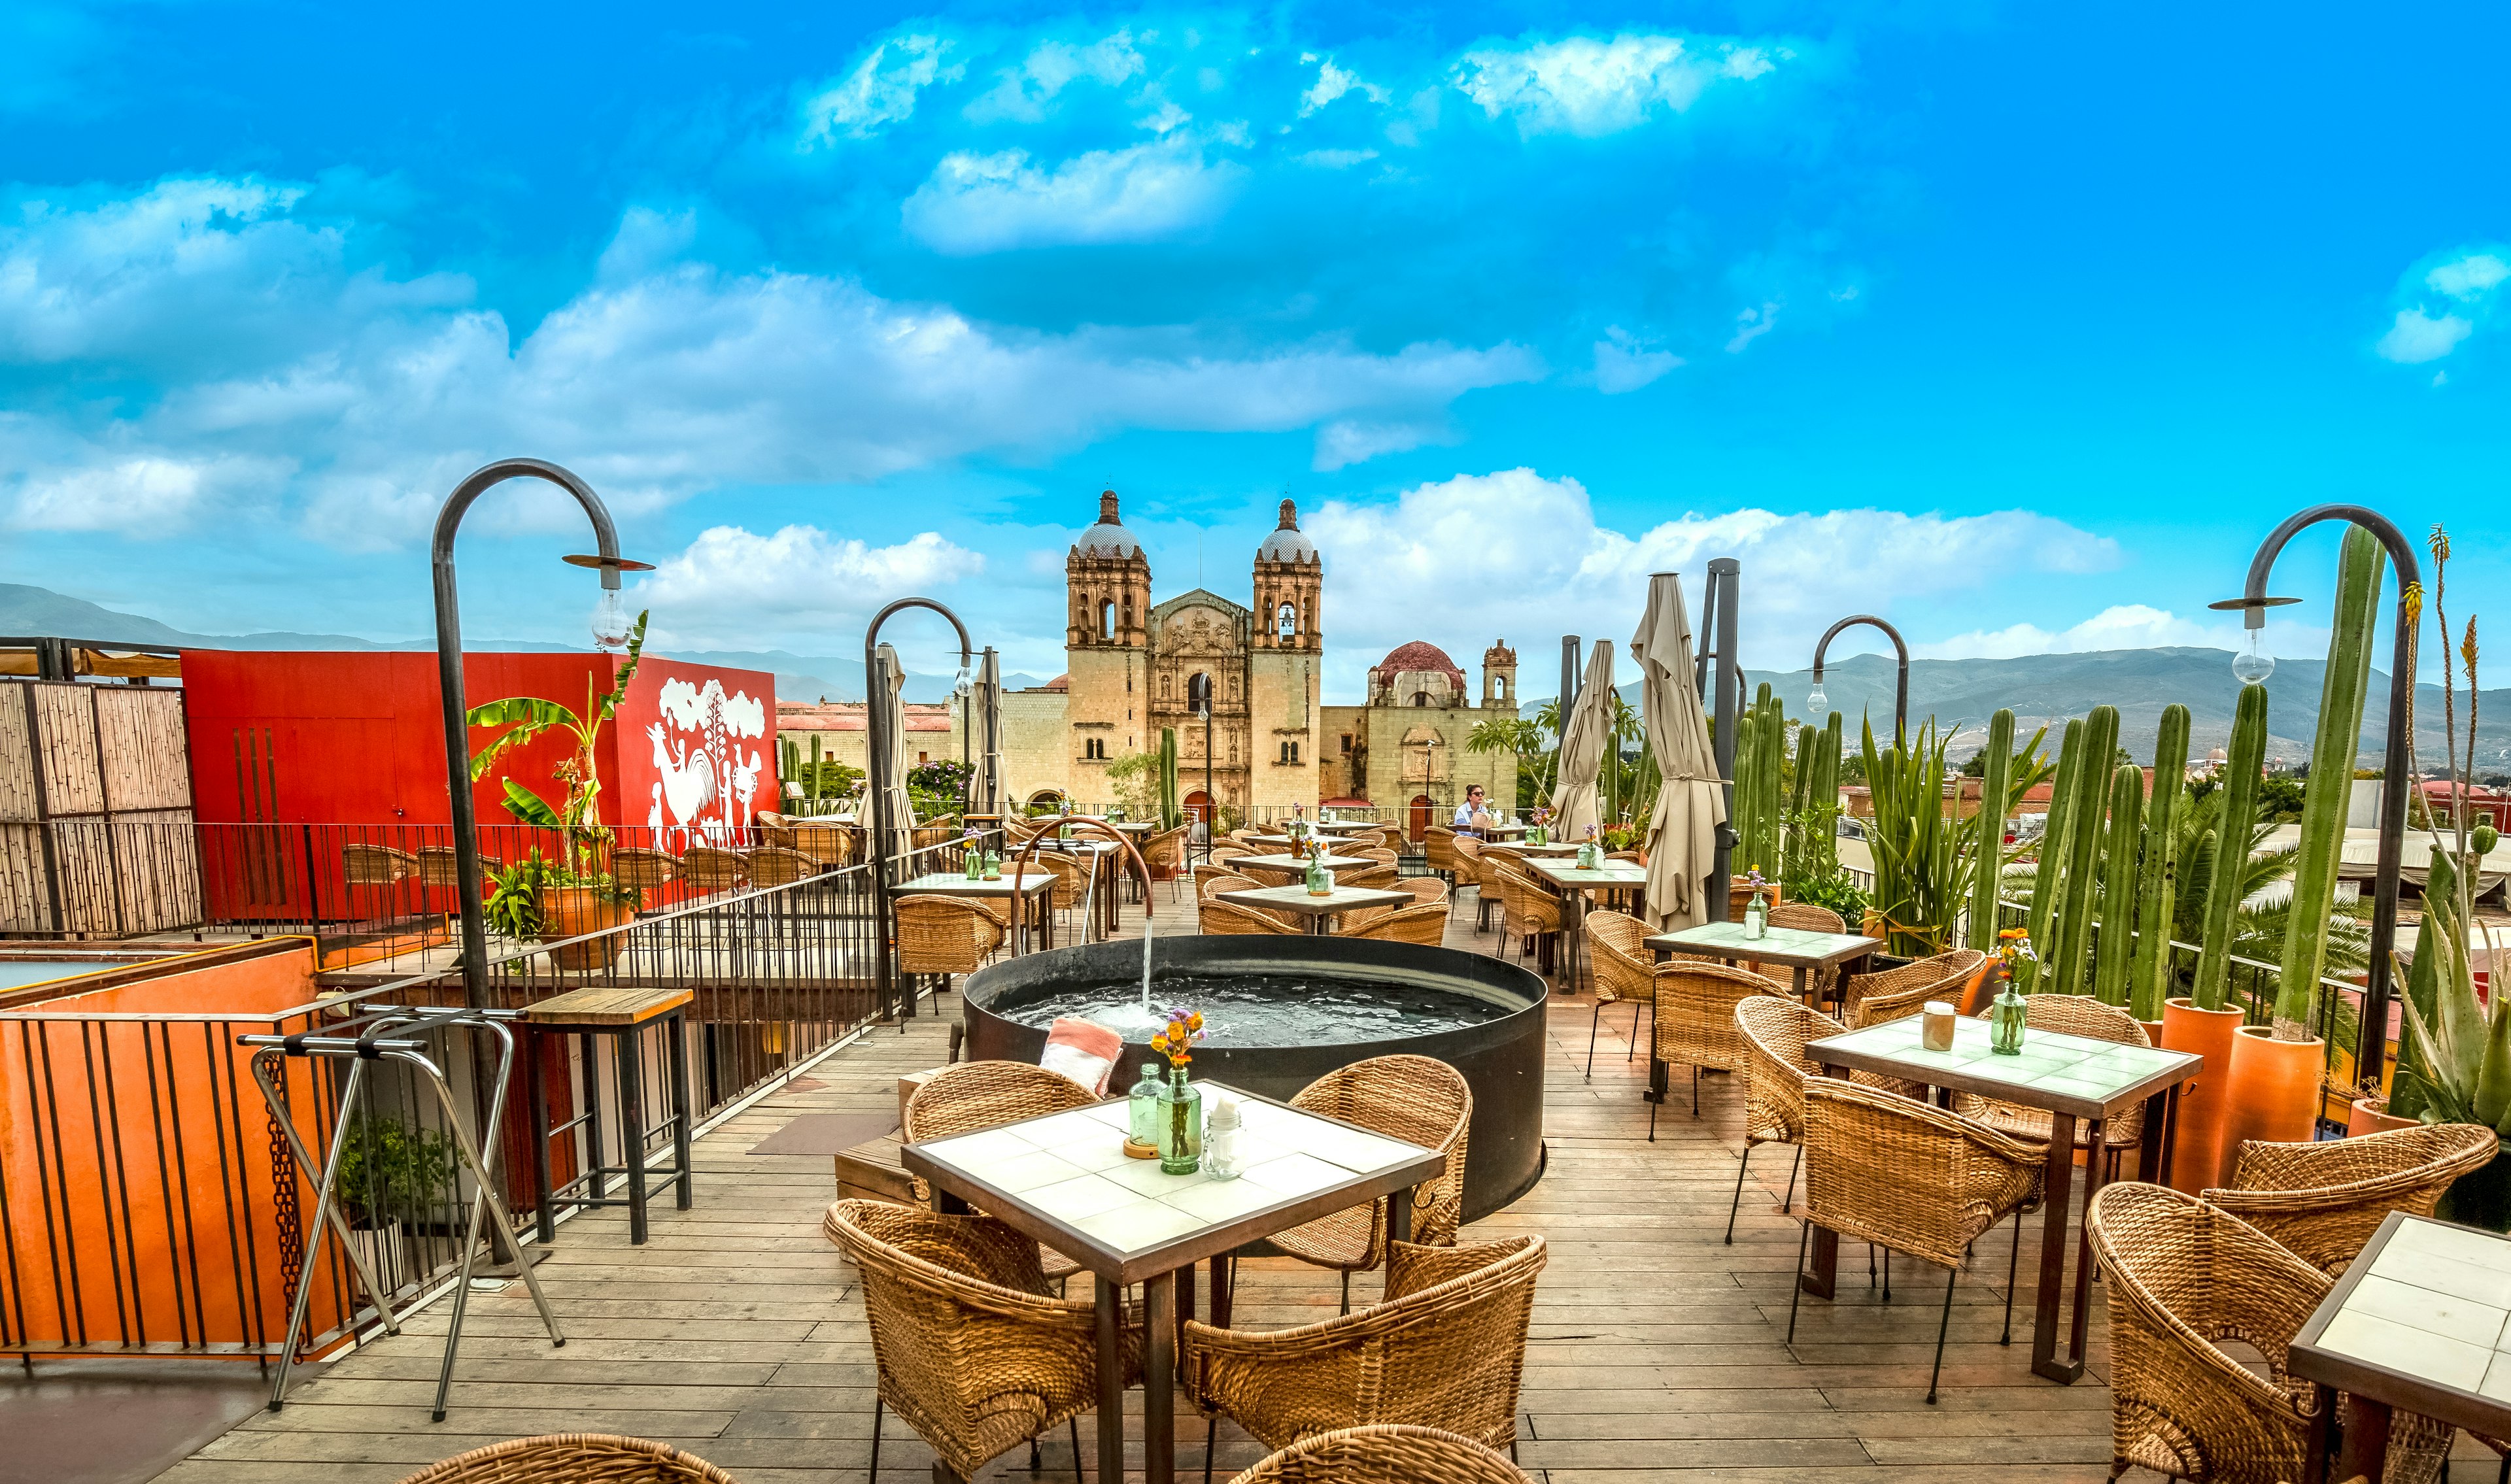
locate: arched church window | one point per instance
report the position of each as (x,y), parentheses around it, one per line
(1287,621)
(1106,621)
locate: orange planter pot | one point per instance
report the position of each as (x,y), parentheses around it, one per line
(2371,1115)
(2274,1092)
(2197,1144)
(573,911)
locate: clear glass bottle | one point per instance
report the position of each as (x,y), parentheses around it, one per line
(1142,1108)
(976,862)
(1321,881)
(993,865)
(1180,1126)
(2006,1014)
(1220,1139)
(1756,917)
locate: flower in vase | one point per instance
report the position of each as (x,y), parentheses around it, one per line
(2014,946)
(1752,878)
(1176,1039)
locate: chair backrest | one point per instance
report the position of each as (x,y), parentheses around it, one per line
(1806,917)
(1775,1031)
(1071,875)
(773,828)
(2322,1200)
(773,865)
(1424,888)
(1898,993)
(710,867)
(1439,847)
(946,935)
(1418,1099)
(1388,1453)
(1219,917)
(1375,877)
(1695,1011)
(970,1095)
(375,865)
(1222,879)
(607,1456)
(2085,1017)
(1531,906)
(642,868)
(1165,852)
(1468,869)
(1623,967)
(1425,926)
(1376,853)
(1909,1175)
(832,845)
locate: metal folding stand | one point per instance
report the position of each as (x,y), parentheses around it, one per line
(395,1033)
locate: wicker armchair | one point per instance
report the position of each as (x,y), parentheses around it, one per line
(774,865)
(1376,877)
(969,1346)
(1895,994)
(1695,1018)
(1617,947)
(830,844)
(1222,918)
(376,866)
(2183,1276)
(1423,926)
(710,868)
(1806,917)
(1438,851)
(2323,1201)
(437,868)
(1413,1098)
(946,935)
(973,1096)
(773,829)
(1775,1032)
(1426,891)
(640,868)
(1165,854)
(575,1457)
(1532,911)
(1391,1453)
(1445,1349)
(1206,874)
(1911,1178)
(1469,873)
(2068,1015)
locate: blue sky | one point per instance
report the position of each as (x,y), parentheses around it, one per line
(2016,324)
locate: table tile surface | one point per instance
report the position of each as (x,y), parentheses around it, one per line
(1058,1165)
(1296,897)
(952,883)
(2075,1066)
(1614,873)
(1300,862)
(1776,944)
(2436,1304)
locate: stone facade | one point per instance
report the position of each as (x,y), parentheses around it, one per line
(1406,749)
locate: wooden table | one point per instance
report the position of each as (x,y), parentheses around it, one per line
(1063,1179)
(1550,848)
(1295,866)
(1036,882)
(621,1013)
(2418,1322)
(1798,950)
(1296,898)
(1347,826)
(1575,885)
(2074,1078)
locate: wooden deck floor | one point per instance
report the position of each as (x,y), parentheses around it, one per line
(1658,1353)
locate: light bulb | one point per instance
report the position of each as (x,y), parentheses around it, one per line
(609,622)
(2252,665)
(1817,702)
(960,685)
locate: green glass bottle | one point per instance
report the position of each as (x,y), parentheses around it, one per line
(2005,1019)
(1181,1121)
(1142,1108)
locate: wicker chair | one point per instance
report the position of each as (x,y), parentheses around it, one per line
(2068,1015)
(575,1457)
(1695,1018)
(830,844)
(1445,1349)
(1413,1098)
(1376,877)
(926,836)
(1911,1178)
(1617,947)
(710,868)
(1469,873)
(2183,1276)
(1377,853)
(969,1346)
(1071,878)
(1531,910)
(773,829)
(1391,1453)
(774,865)
(2323,1201)
(1426,891)
(1223,918)
(1205,874)
(376,866)
(437,868)
(1895,994)
(1805,917)
(1775,1031)
(946,935)
(1424,926)
(1165,854)
(1438,851)
(640,868)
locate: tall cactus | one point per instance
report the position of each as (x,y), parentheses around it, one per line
(2242,761)
(2074,924)
(1801,851)
(2149,977)
(2048,875)
(2116,949)
(1826,791)
(1989,850)
(1774,798)
(1748,783)
(2331,776)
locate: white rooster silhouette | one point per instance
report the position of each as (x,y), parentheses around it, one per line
(689,787)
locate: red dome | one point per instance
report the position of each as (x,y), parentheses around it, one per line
(1420,656)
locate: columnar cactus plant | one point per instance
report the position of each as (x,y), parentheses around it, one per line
(2158,886)
(2242,761)
(1997,761)
(2116,949)
(2047,877)
(2064,968)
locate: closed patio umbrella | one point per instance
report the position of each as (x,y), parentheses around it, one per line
(993,785)
(1683,832)
(1584,736)
(888,692)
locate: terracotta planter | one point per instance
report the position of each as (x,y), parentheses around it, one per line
(2153,1031)
(1981,987)
(2371,1115)
(2197,1146)
(2274,1092)
(569,911)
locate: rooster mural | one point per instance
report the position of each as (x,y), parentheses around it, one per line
(706,782)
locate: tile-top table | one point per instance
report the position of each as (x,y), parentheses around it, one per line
(1794,947)
(1037,881)
(1064,1180)
(2072,1078)
(1319,910)
(1575,884)
(1294,865)
(2421,1321)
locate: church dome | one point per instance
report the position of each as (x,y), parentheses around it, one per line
(1419,656)
(1109,538)
(1288,543)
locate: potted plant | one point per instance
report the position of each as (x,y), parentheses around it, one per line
(389,1175)
(577,891)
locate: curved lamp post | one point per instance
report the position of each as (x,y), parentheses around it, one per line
(2252,664)
(876,772)
(1816,703)
(448,674)
(1199,692)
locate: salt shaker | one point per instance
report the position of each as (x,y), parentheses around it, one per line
(1935,1031)
(1220,1139)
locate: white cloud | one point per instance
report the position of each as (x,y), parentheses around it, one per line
(148,496)
(1356,440)
(975,203)
(2471,277)
(1332,83)
(1025,91)
(880,91)
(2417,336)
(2123,625)
(1587,87)
(1512,553)
(1622,365)
(1751,325)
(733,584)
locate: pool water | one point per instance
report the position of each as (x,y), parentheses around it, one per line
(18,974)
(1287,1010)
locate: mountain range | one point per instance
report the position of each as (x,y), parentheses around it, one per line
(27,611)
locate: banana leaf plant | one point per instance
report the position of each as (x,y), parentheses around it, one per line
(576,819)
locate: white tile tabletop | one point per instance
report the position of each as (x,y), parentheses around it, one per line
(1776,945)
(2074,1075)
(2421,1321)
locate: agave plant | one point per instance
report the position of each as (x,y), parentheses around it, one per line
(1922,868)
